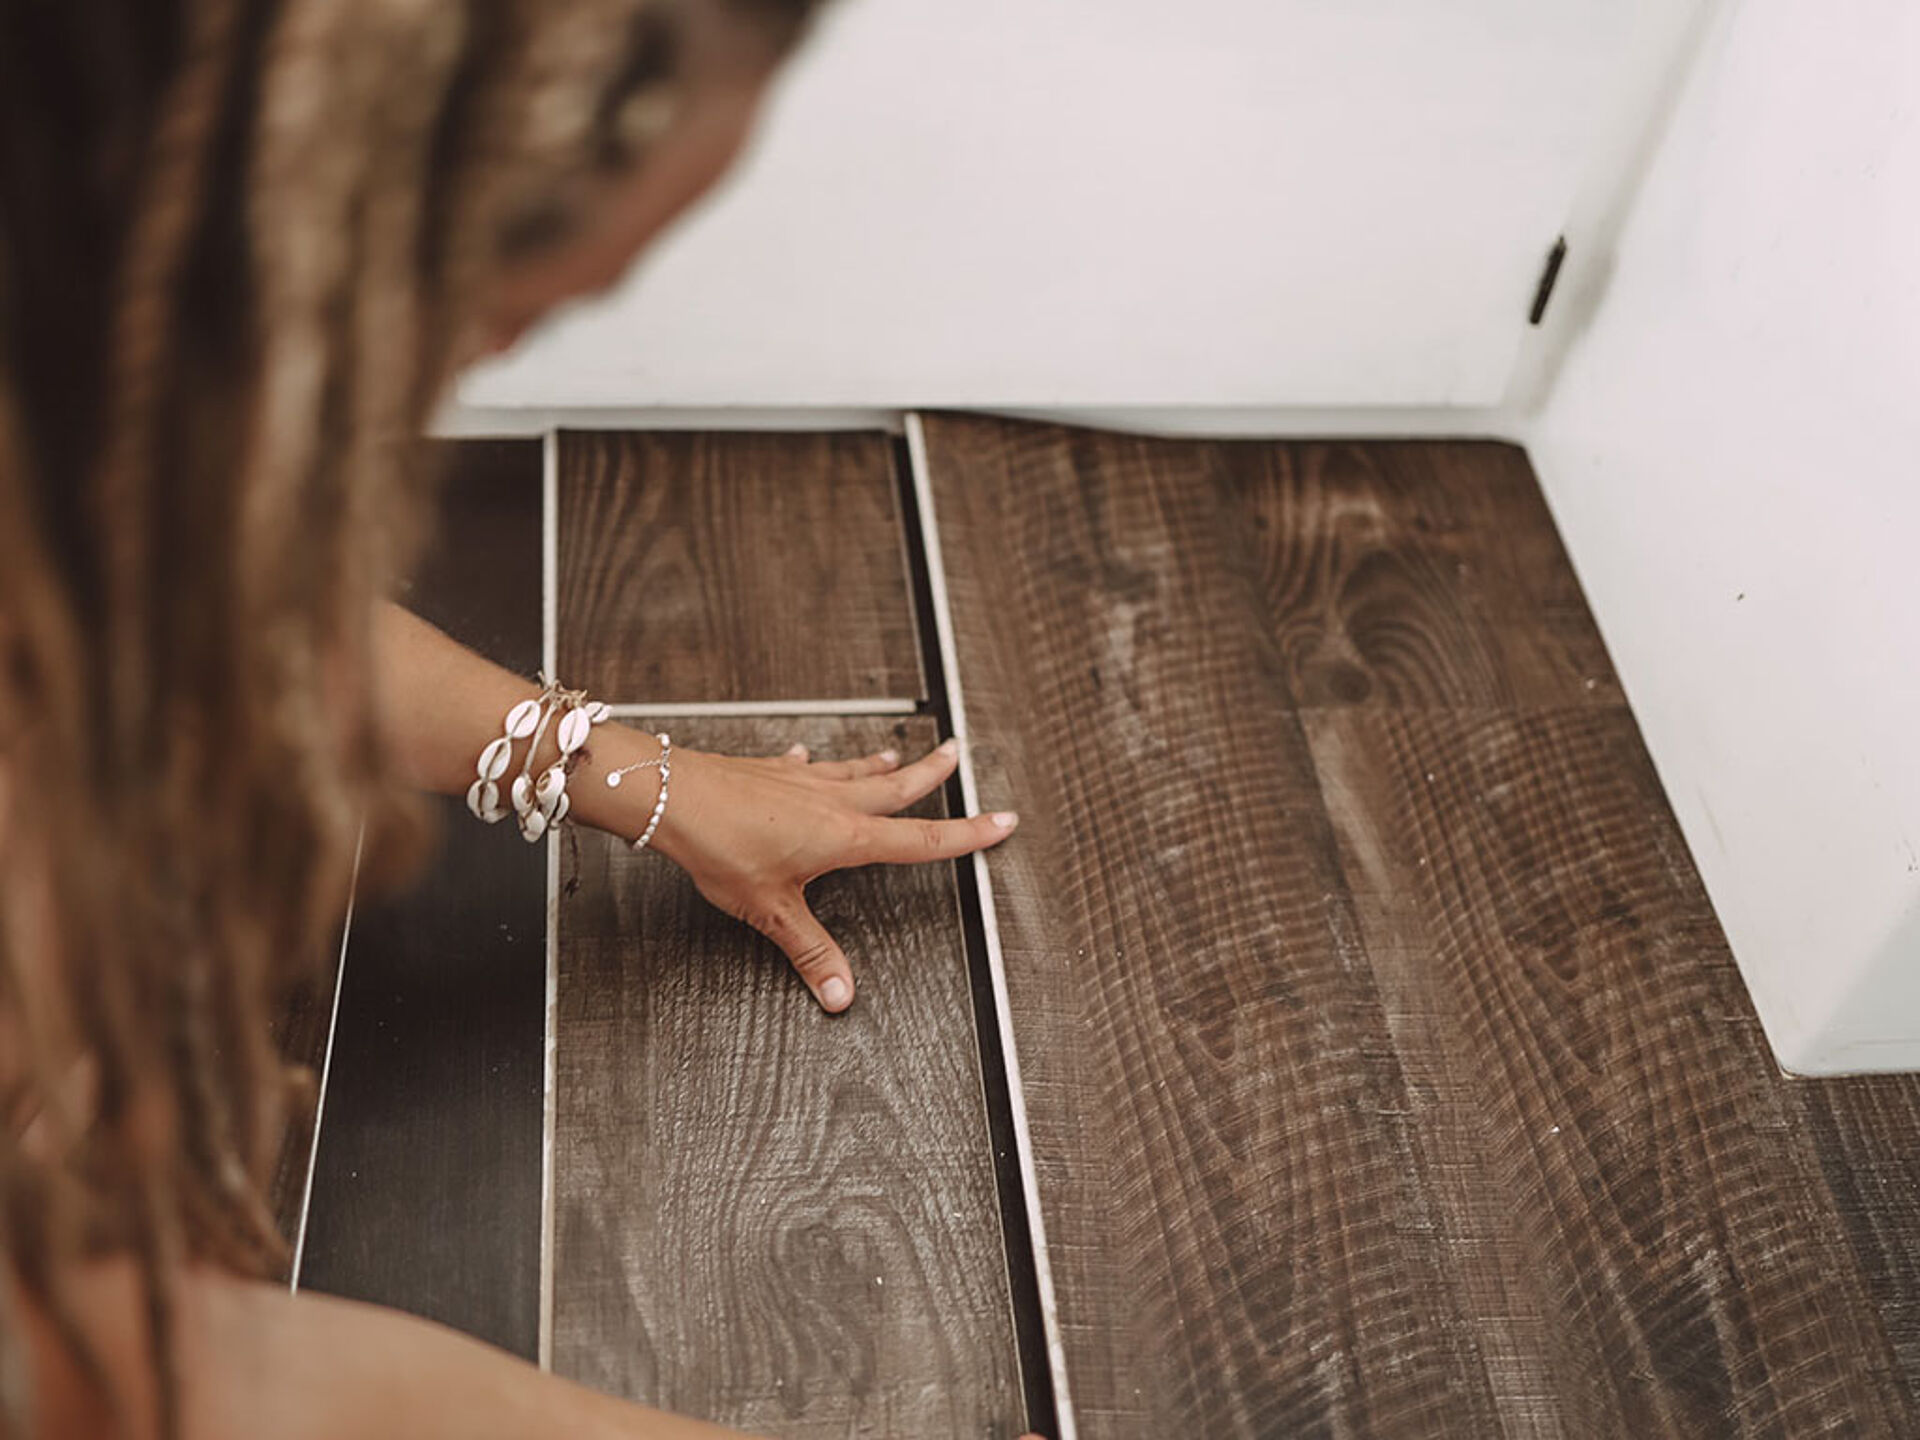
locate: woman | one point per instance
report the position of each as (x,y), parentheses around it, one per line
(243,244)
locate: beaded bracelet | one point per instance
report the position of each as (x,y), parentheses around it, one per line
(665,761)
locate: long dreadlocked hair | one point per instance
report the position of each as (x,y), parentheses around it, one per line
(241,245)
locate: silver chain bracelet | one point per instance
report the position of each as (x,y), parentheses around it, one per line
(664,760)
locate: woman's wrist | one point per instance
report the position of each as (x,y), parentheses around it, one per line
(623,809)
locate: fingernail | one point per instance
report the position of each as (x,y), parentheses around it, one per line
(835,994)
(890,757)
(1005,819)
(949,747)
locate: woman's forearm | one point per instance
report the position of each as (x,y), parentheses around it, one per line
(409,1377)
(255,1363)
(440,704)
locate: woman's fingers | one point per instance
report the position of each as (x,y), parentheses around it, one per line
(791,926)
(884,794)
(908,842)
(878,764)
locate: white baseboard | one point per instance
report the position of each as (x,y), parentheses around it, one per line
(1253,422)
(466,421)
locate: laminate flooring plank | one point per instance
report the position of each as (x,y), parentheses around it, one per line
(473,580)
(765,1215)
(731,567)
(1641,1218)
(1646,1242)
(1238,1226)
(426,1190)
(1417,574)
(478,577)
(1867,1130)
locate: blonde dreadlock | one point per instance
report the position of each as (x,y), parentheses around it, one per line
(241,243)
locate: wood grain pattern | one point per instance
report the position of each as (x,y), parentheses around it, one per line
(1644,1239)
(426,1190)
(1867,1133)
(1647,1244)
(1235,1213)
(765,1215)
(734,567)
(1412,1089)
(1416,573)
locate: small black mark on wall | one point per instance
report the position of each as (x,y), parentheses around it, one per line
(1548,276)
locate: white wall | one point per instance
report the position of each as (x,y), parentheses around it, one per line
(1733,452)
(1033,204)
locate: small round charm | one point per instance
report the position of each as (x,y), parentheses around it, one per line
(613,780)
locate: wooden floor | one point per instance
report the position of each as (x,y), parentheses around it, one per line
(1380,1066)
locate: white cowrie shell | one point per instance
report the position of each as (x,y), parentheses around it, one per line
(482,796)
(599,712)
(493,759)
(560,810)
(522,794)
(522,719)
(495,812)
(574,726)
(552,782)
(532,826)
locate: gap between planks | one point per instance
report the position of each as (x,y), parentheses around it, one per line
(326,1071)
(724,709)
(549,636)
(996,964)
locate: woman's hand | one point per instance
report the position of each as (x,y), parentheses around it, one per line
(753,832)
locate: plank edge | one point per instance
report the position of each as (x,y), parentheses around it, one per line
(922,477)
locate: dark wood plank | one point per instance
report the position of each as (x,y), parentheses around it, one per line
(1240,1236)
(1415,573)
(478,577)
(1867,1130)
(714,567)
(1641,1232)
(426,1190)
(1410,1088)
(1644,1242)
(765,1215)
(478,588)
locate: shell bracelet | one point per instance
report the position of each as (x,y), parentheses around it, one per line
(539,803)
